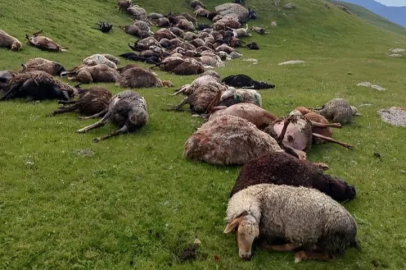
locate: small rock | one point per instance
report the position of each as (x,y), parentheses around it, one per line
(197,242)
(274,24)
(291,62)
(374,86)
(254,61)
(83,152)
(395,116)
(289,6)
(397,50)
(396,55)
(365,105)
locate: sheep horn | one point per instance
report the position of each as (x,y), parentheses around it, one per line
(37,33)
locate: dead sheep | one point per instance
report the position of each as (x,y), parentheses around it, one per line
(252,46)
(206,78)
(196,3)
(10,42)
(127,109)
(143,26)
(244,81)
(306,218)
(211,61)
(259,30)
(123,5)
(37,85)
(185,25)
(338,110)
(92,74)
(42,64)
(137,12)
(229,140)
(241,32)
(234,96)
(131,30)
(188,17)
(99,59)
(189,67)
(203,98)
(138,78)
(248,111)
(283,169)
(44,43)
(90,101)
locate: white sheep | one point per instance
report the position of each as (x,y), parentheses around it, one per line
(304,217)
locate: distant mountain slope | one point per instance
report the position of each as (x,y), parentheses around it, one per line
(373,18)
(394,14)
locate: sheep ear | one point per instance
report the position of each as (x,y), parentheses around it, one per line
(234,223)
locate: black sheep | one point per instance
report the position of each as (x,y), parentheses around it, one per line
(252,46)
(244,81)
(282,169)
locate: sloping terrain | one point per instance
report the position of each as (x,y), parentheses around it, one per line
(373,18)
(395,14)
(136,203)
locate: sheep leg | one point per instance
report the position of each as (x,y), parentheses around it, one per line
(98,124)
(64,110)
(334,125)
(65,102)
(285,247)
(309,255)
(349,146)
(214,102)
(285,127)
(185,101)
(94,115)
(124,129)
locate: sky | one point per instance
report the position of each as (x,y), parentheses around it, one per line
(393,3)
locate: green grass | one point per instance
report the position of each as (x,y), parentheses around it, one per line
(137,201)
(373,18)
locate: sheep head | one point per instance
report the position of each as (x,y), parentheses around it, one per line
(247,230)
(16,46)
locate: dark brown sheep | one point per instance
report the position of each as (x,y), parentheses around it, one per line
(37,85)
(91,101)
(5,77)
(192,67)
(128,66)
(138,78)
(42,64)
(282,169)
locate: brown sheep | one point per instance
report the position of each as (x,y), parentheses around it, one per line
(229,140)
(338,110)
(249,111)
(137,12)
(131,30)
(138,78)
(189,17)
(7,41)
(92,74)
(123,5)
(186,25)
(283,169)
(128,66)
(44,43)
(42,64)
(196,3)
(177,31)
(5,77)
(191,67)
(91,101)
(203,98)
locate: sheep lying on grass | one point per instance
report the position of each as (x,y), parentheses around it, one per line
(92,74)
(338,110)
(37,85)
(42,64)
(127,109)
(282,169)
(306,218)
(90,101)
(138,78)
(229,140)
(7,41)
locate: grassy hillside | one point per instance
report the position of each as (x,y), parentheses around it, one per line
(373,18)
(136,203)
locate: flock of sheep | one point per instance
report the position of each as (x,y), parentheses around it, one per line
(279,196)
